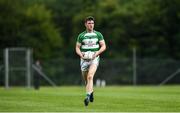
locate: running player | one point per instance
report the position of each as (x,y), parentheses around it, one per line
(89,40)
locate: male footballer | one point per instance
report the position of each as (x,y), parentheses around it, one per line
(89,45)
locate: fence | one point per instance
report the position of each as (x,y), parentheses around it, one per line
(114,71)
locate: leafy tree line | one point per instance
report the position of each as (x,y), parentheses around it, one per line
(51,27)
(24,25)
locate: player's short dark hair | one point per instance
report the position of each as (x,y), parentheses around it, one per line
(89,18)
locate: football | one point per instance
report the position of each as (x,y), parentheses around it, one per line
(88,55)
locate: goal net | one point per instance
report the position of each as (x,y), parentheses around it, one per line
(18,66)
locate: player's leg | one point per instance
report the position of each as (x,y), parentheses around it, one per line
(89,85)
(94,66)
(90,76)
(84,76)
(84,70)
(90,67)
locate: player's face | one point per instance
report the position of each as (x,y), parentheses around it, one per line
(89,25)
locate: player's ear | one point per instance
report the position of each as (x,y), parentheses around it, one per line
(84,23)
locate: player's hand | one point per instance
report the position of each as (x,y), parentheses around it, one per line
(82,55)
(95,55)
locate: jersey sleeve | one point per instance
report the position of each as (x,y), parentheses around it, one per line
(100,36)
(79,39)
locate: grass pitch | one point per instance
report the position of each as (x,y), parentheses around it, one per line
(108,99)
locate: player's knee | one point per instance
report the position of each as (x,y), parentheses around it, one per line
(90,77)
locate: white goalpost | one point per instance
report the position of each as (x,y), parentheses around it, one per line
(17,63)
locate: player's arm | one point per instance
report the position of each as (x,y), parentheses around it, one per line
(102,48)
(78,51)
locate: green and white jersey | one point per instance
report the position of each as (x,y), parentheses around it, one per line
(90,41)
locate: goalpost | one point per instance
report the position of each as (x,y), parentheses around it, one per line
(18,69)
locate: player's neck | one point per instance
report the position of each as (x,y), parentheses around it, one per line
(90,31)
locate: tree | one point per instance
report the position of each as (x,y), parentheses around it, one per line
(29,26)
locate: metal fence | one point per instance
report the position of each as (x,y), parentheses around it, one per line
(115,71)
(120,71)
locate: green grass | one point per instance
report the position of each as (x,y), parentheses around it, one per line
(108,99)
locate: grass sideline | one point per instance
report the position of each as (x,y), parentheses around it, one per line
(107,99)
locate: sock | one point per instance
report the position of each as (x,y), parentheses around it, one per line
(88,95)
(92,92)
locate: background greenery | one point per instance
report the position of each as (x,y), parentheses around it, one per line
(51,27)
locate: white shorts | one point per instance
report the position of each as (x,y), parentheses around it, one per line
(86,63)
